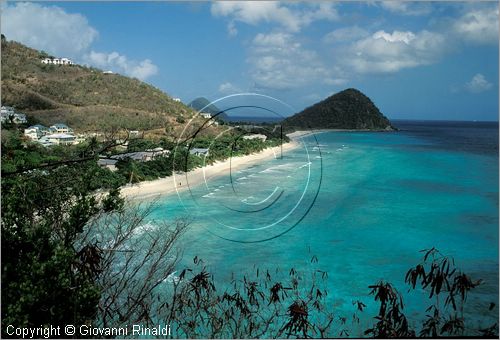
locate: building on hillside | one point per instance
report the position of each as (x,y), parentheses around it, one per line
(8,114)
(61,139)
(199,152)
(57,61)
(44,141)
(19,118)
(7,110)
(158,152)
(176,100)
(206,115)
(108,72)
(256,136)
(107,163)
(57,134)
(35,132)
(139,156)
(60,128)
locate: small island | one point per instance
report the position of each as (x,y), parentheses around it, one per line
(349,109)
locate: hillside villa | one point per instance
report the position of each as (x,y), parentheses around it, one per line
(199,152)
(57,134)
(139,156)
(8,112)
(256,136)
(57,61)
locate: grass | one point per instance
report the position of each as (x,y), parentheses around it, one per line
(83,97)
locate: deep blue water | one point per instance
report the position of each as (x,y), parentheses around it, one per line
(365,204)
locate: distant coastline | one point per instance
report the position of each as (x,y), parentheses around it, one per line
(177,183)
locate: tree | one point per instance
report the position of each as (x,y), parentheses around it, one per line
(46,278)
(135,259)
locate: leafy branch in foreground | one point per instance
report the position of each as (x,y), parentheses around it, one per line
(438,275)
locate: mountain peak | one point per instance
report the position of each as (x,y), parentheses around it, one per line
(347,109)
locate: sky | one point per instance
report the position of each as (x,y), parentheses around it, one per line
(415,60)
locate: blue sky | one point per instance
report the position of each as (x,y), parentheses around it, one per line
(415,60)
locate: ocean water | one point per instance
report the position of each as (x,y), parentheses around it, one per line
(364,204)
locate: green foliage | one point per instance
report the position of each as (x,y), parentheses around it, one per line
(264,303)
(348,109)
(140,144)
(46,277)
(44,280)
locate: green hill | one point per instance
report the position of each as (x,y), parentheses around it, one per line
(203,103)
(348,109)
(83,97)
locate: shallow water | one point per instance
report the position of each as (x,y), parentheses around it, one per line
(365,204)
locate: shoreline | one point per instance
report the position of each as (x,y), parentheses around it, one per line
(177,183)
(173,184)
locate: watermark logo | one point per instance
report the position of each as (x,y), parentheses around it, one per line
(268,181)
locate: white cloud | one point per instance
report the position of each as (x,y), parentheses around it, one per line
(291,18)
(121,64)
(228,88)
(345,34)
(385,52)
(278,61)
(47,28)
(64,34)
(478,83)
(231,29)
(478,26)
(407,7)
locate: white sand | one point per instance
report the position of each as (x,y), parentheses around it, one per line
(177,183)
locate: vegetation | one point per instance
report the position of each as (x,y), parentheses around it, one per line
(131,171)
(46,278)
(348,109)
(82,97)
(71,256)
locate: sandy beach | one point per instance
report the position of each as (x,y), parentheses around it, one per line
(177,183)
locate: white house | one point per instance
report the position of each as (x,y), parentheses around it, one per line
(107,163)
(57,61)
(176,100)
(40,128)
(66,61)
(256,136)
(61,139)
(107,72)
(158,152)
(57,134)
(206,115)
(60,128)
(199,152)
(45,141)
(32,134)
(7,113)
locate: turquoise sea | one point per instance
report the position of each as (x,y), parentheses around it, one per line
(365,204)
